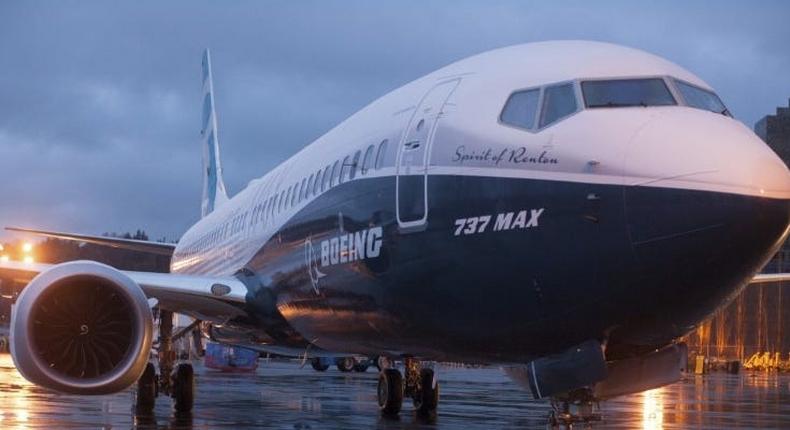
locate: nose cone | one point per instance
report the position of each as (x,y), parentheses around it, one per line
(702,220)
(695,149)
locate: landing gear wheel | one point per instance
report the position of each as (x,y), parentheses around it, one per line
(183,388)
(145,397)
(319,365)
(390,391)
(552,422)
(383,363)
(345,364)
(426,399)
(361,366)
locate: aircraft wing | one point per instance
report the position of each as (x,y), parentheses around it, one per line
(764,278)
(208,298)
(113,242)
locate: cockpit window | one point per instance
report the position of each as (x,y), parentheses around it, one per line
(559,101)
(698,98)
(627,92)
(521,109)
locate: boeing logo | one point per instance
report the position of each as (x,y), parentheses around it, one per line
(350,247)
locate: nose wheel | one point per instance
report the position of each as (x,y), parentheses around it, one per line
(390,391)
(576,407)
(426,398)
(419,383)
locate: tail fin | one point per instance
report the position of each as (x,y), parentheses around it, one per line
(214,194)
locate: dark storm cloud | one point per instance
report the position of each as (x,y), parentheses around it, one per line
(99,102)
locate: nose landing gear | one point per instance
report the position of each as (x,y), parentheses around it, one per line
(419,383)
(578,406)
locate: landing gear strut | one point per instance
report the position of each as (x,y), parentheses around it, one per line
(578,406)
(177,382)
(419,383)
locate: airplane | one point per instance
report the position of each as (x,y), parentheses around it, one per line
(565,209)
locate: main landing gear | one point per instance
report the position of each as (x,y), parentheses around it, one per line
(176,381)
(578,406)
(419,383)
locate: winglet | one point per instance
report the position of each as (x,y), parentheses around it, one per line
(214,193)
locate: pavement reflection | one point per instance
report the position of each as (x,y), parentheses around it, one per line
(284,395)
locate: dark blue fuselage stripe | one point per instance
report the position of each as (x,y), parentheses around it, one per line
(641,265)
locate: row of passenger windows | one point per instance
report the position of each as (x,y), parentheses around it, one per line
(352,166)
(527,109)
(325,178)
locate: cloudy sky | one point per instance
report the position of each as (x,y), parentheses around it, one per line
(100,102)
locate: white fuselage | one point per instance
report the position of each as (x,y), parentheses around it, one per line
(657,146)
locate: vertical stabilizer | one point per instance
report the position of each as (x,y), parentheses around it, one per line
(214,194)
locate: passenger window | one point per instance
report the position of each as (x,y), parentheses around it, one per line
(295,194)
(367,161)
(558,102)
(309,186)
(354,165)
(317,184)
(325,181)
(344,169)
(380,154)
(335,174)
(521,109)
(280,201)
(302,190)
(267,208)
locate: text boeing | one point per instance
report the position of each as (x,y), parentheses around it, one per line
(350,247)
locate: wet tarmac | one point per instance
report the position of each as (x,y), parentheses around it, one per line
(282,395)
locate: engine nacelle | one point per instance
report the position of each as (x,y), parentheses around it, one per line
(83,328)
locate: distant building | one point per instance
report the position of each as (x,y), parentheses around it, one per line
(775,131)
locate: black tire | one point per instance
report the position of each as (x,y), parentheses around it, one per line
(427,398)
(362,366)
(145,396)
(319,365)
(390,391)
(345,364)
(384,363)
(183,388)
(551,421)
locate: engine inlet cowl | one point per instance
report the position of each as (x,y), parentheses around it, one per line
(82,327)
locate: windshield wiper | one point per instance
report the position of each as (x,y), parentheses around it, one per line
(613,104)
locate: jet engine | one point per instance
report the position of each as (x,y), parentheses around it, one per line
(83,328)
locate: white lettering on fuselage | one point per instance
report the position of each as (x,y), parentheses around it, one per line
(350,247)
(528,218)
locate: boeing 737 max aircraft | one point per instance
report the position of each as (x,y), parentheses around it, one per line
(567,210)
